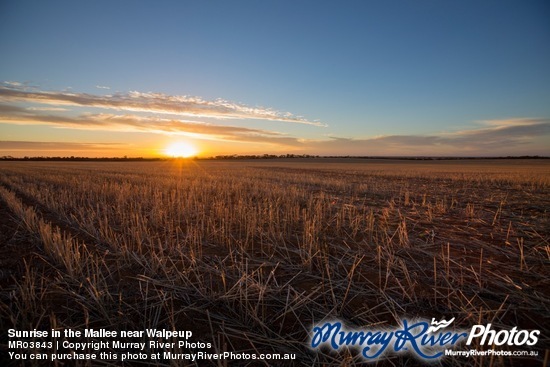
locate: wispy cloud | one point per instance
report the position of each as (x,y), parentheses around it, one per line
(501,137)
(47,109)
(102,87)
(135,123)
(61,148)
(13,84)
(501,123)
(158,103)
(54,145)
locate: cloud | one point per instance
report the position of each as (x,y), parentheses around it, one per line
(13,84)
(511,131)
(102,87)
(158,103)
(23,145)
(46,109)
(512,122)
(51,148)
(522,136)
(135,123)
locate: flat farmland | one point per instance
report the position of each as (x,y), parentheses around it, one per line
(250,254)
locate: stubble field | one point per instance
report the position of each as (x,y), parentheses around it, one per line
(250,254)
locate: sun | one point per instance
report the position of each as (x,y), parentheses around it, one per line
(180,150)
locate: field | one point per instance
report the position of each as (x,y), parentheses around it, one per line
(250,254)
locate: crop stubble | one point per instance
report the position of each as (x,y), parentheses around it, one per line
(249,254)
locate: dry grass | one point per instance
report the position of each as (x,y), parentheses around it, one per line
(250,254)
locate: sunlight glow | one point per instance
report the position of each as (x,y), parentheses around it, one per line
(180,150)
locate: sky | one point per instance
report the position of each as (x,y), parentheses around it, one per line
(362,78)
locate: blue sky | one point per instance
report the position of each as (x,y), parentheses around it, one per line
(316,77)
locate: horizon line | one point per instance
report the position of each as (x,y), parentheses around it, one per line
(261,156)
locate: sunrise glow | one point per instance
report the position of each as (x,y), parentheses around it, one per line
(180,150)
